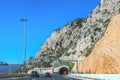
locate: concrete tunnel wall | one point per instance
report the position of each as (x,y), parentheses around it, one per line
(58,69)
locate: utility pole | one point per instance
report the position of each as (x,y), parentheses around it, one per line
(24,20)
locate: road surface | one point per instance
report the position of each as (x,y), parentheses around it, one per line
(42,77)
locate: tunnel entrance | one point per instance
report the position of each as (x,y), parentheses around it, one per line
(63,70)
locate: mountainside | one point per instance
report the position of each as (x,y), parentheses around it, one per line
(77,38)
(106,54)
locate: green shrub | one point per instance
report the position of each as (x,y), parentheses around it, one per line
(119,10)
(58,55)
(74,52)
(68,54)
(90,16)
(59,52)
(36,64)
(97,29)
(70,64)
(48,49)
(79,22)
(105,24)
(92,39)
(80,73)
(46,64)
(100,20)
(105,10)
(88,51)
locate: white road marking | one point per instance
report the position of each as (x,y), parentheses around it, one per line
(19,77)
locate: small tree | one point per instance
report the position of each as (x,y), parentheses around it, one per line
(119,10)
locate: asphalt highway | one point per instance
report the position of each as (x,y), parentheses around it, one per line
(42,77)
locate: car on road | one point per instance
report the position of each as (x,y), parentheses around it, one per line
(34,74)
(47,74)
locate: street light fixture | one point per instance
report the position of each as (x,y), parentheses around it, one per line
(24,20)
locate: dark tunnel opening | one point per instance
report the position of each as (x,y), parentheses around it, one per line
(63,70)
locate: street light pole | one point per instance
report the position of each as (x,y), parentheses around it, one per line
(24,25)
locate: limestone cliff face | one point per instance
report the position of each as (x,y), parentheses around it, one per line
(105,57)
(77,38)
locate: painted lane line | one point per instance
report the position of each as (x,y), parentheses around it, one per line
(20,77)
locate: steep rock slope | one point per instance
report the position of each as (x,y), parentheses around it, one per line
(106,53)
(77,38)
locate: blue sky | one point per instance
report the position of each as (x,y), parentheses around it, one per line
(44,16)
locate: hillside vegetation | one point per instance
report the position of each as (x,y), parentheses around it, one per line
(106,54)
(76,40)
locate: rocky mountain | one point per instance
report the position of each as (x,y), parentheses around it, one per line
(76,40)
(106,53)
